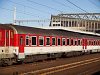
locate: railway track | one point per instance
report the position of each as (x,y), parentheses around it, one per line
(52,70)
(51,67)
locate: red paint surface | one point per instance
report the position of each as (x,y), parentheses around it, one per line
(21,46)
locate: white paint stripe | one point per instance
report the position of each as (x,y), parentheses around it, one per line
(61,66)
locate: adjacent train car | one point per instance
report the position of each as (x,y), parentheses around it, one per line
(29,44)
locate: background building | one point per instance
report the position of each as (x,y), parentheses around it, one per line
(80,21)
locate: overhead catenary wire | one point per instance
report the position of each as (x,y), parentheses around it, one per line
(94,4)
(17,11)
(77,6)
(29,7)
(62,4)
(44,5)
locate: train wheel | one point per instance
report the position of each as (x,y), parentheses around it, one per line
(9,62)
(6,62)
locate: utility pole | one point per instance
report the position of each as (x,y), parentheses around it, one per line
(14,16)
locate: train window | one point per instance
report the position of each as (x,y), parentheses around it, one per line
(41,40)
(48,41)
(33,40)
(58,41)
(89,42)
(79,42)
(53,41)
(27,40)
(21,40)
(75,42)
(63,41)
(71,41)
(94,42)
(68,41)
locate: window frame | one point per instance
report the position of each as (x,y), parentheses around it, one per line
(46,41)
(55,41)
(39,41)
(28,40)
(68,39)
(79,42)
(62,41)
(75,42)
(31,40)
(71,42)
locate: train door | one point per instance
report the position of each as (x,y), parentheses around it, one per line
(7,40)
(21,46)
(84,43)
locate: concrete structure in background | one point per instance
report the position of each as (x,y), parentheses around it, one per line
(80,21)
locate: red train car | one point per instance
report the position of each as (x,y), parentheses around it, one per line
(28,44)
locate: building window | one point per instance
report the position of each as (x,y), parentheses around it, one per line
(27,40)
(53,41)
(69,23)
(53,24)
(58,41)
(41,40)
(33,40)
(63,41)
(48,41)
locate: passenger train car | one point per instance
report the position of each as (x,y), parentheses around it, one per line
(29,44)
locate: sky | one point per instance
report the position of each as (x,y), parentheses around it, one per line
(43,9)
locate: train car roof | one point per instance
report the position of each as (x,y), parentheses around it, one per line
(73,30)
(49,30)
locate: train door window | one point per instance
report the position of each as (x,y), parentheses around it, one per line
(21,40)
(68,41)
(79,42)
(41,41)
(58,41)
(88,42)
(12,34)
(47,40)
(27,40)
(7,34)
(53,41)
(63,41)
(34,40)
